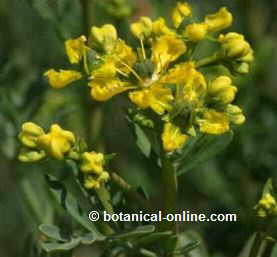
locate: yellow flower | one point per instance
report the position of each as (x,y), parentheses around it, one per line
(172,137)
(124,56)
(222,89)
(235,114)
(160,28)
(103,90)
(29,134)
(165,50)
(214,122)
(219,20)
(106,70)
(196,31)
(156,97)
(57,142)
(105,36)
(92,162)
(267,206)
(249,57)
(31,156)
(142,29)
(235,45)
(60,79)
(103,177)
(91,183)
(75,49)
(180,12)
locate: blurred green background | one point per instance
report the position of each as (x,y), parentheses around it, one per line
(32,33)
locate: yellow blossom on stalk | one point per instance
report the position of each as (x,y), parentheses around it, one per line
(61,78)
(219,20)
(142,29)
(29,134)
(57,142)
(105,36)
(160,28)
(180,12)
(103,90)
(172,137)
(196,31)
(156,97)
(222,89)
(75,49)
(165,50)
(234,45)
(92,162)
(267,206)
(235,114)
(214,122)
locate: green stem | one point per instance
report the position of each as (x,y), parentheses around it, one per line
(169,186)
(257,244)
(130,193)
(214,59)
(268,249)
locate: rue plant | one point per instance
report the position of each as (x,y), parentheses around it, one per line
(182,114)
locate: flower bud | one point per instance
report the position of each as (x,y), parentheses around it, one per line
(105,37)
(57,142)
(267,206)
(222,90)
(219,20)
(92,162)
(196,31)
(60,79)
(172,138)
(31,156)
(142,29)
(235,114)
(234,45)
(75,49)
(29,134)
(180,12)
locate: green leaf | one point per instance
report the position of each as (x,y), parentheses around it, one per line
(138,231)
(52,232)
(55,246)
(202,149)
(148,239)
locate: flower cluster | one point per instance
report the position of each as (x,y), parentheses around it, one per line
(61,144)
(267,206)
(160,73)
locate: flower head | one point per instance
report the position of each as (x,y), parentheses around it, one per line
(92,162)
(172,137)
(214,122)
(267,206)
(235,45)
(180,12)
(60,79)
(166,50)
(75,49)
(29,134)
(219,20)
(196,31)
(142,29)
(57,142)
(105,37)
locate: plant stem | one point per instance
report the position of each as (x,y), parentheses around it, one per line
(169,187)
(208,61)
(130,193)
(257,244)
